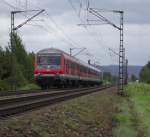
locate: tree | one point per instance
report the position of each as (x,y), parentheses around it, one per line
(5,65)
(107,76)
(15,65)
(114,80)
(145,73)
(22,57)
(133,78)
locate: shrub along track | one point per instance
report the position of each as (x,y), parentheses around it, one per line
(19,103)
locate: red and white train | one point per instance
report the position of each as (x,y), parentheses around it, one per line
(53,67)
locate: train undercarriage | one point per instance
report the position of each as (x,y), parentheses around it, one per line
(63,82)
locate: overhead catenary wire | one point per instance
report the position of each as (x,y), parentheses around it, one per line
(8,4)
(67,40)
(82,21)
(17,8)
(80,8)
(97,40)
(13,7)
(47,30)
(73,43)
(70,2)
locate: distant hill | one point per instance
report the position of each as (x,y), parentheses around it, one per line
(114,69)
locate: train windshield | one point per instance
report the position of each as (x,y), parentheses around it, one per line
(52,61)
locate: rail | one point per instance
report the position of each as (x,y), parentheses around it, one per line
(16,104)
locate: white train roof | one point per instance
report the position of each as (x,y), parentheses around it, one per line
(67,56)
(50,50)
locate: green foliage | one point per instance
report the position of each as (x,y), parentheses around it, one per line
(140,97)
(29,86)
(145,73)
(15,65)
(107,76)
(124,121)
(4,84)
(134,111)
(133,78)
(138,89)
(5,71)
(114,79)
(5,63)
(22,57)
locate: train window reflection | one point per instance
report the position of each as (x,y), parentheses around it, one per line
(48,60)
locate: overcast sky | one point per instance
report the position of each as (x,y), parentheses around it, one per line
(58,27)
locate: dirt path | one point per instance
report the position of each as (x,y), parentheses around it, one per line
(87,116)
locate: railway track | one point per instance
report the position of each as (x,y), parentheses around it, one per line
(19,92)
(16,104)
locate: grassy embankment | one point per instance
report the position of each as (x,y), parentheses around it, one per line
(133,119)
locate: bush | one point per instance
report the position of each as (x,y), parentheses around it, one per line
(5,84)
(145,73)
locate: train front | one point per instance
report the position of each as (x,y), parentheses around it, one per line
(48,66)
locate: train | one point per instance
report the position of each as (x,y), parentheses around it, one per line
(55,68)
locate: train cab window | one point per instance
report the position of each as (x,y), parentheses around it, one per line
(51,61)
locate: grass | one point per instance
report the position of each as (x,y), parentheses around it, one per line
(89,116)
(29,87)
(133,118)
(125,121)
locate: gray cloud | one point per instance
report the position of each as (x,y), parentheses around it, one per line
(136,11)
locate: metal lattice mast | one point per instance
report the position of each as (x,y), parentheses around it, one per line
(13,85)
(97,13)
(121,57)
(124,66)
(126,72)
